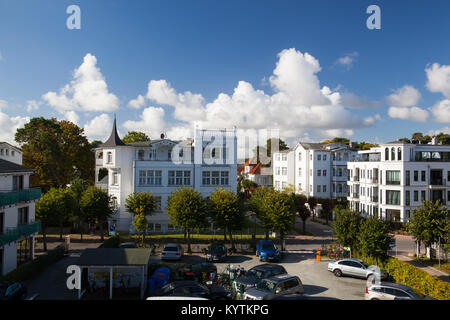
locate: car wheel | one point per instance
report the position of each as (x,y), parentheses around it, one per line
(337,273)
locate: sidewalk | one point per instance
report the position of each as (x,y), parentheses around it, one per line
(430,270)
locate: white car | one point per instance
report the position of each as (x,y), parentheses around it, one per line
(172,251)
(354,268)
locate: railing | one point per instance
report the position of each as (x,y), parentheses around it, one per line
(13,234)
(9,198)
(438,182)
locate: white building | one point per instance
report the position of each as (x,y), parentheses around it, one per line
(253,170)
(160,166)
(17,210)
(314,169)
(391,180)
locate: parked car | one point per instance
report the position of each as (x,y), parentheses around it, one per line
(253,276)
(277,286)
(393,291)
(266,250)
(172,251)
(126,245)
(354,268)
(189,288)
(12,291)
(216,252)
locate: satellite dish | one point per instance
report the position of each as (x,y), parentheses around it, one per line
(162,135)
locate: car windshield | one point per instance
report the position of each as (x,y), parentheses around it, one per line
(167,288)
(268,246)
(170,248)
(266,285)
(416,294)
(364,264)
(255,273)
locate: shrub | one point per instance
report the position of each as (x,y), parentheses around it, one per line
(406,274)
(112,242)
(34,267)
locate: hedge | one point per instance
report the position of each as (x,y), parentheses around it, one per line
(34,267)
(404,273)
(112,242)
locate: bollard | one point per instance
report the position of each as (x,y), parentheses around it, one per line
(318,255)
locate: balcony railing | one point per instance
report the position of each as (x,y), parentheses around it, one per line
(9,198)
(13,234)
(438,182)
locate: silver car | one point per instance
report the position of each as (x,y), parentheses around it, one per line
(392,291)
(277,286)
(172,251)
(354,268)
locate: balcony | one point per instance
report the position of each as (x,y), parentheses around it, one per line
(10,198)
(355,195)
(374,180)
(374,198)
(438,182)
(356,178)
(13,234)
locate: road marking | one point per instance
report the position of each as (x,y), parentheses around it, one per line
(297,251)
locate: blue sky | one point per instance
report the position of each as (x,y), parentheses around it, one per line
(209,61)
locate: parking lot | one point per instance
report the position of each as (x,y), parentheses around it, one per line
(318,282)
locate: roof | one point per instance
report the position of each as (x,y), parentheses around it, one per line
(17,148)
(8,166)
(114,257)
(114,139)
(313,146)
(399,142)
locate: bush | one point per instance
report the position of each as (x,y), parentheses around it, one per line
(34,267)
(112,242)
(406,274)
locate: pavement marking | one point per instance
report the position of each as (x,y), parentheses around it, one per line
(297,251)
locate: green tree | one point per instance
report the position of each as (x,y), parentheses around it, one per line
(276,142)
(57,150)
(55,206)
(303,212)
(312,203)
(340,140)
(257,204)
(374,238)
(187,209)
(443,138)
(141,204)
(135,136)
(279,208)
(226,211)
(97,205)
(327,207)
(429,222)
(346,228)
(78,187)
(416,137)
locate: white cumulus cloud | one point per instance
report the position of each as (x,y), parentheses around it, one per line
(87,91)
(438,79)
(99,127)
(9,126)
(406,96)
(137,103)
(441,111)
(408,113)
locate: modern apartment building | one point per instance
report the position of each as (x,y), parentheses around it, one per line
(17,210)
(314,169)
(162,165)
(391,180)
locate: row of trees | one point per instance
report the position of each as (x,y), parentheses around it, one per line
(78,204)
(418,137)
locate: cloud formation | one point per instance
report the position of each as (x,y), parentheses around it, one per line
(347,60)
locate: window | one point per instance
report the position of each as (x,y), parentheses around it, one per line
(109,158)
(154,177)
(407,198)
(310,172)
(215,178)
(423,195)
(408,178)
(299,172)
(224,178)
(339,189)
(318,173)
(179,177)
(324,188)
(310,156)
(399,154)
(416,175)
(7,152)
(141,154)
(115,181)
(392,177)
(158,203)
(393,197)
(12,153)
(278,171)
(319,157)
(187,178)
(392,154)
(284,157)
(423,173)
(299,156)
(324,157)
(284,171)
(169,154)
(416,195)
(386,154)
(324,173)
(284,184)
(318,188)
(339,172)
(23,216)
(142,177)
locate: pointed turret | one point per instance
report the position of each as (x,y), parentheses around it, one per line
(114,139)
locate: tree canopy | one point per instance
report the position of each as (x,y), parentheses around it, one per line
(346,228)
(96,203)
(374,239)
(135,136)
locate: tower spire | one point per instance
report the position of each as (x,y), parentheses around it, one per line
(114,139)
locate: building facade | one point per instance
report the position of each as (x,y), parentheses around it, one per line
(18,226)
(161,166)
(314,169)
(392,180)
